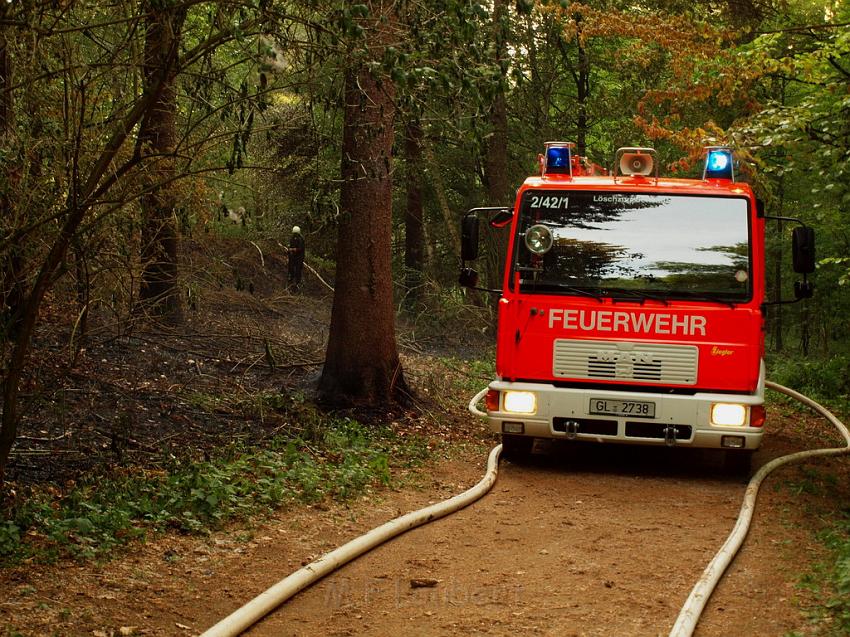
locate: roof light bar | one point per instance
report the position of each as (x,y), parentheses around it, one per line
(558,159)
(719,163)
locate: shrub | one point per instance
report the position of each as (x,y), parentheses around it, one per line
(827,378)
(340,459)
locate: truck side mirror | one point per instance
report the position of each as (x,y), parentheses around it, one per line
(803,249)
(469,238)
(803,289)
(468,278)
(501,218)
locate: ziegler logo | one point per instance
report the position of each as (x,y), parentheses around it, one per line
(611,356)
(719,351)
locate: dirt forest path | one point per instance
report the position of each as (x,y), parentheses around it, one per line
(593,545)
(580,540)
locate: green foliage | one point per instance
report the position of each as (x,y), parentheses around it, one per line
(830,580)
(341,460)
(822,378)
(843,263)
(10,537)
(470,376)
(445,311)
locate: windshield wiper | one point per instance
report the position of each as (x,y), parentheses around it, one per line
(643,296)
(704,296)
(562,286)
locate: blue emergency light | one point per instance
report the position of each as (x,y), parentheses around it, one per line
(558,158)
(718,163)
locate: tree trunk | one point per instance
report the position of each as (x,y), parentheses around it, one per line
(582,78)
(778,343)
(450,218)
(580,73)
(496,159)
(7,114)
(414,229)
(805,329)
(157,138)
(12,291)
(362,363)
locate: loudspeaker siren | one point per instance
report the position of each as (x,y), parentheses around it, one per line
(635,162)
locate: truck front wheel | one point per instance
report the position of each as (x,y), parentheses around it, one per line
(738,462)
(516,448)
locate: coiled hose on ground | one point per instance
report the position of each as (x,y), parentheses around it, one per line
(260,606)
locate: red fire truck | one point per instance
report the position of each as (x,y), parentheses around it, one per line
(632,307)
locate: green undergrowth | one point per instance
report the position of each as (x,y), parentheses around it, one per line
(837,538)
(829,581)
(469,376)
(331,458)
(825,379)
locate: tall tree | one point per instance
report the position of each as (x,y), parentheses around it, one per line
(414,227)
(784,108)
(362,362)
(11,284)
(581,77)
(157,140)
(496,147)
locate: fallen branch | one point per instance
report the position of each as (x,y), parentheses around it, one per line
(318,276)
(54,439)
(262,261)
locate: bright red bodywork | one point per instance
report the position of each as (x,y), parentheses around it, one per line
(612,329)
(731,343)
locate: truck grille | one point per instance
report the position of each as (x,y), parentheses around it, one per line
(625,361)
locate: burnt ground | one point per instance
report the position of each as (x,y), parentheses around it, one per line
(579,540)
(137,390)
(138,393)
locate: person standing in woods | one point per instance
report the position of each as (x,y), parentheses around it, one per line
(296,258)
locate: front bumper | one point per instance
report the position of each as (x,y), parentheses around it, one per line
(678,419)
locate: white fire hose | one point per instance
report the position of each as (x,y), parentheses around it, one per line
(689,615)
(266,602)
(263,604)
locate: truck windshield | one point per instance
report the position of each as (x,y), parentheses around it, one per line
(638,246)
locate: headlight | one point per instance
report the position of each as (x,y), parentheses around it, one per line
(728,414)
(520,402)
(538,239)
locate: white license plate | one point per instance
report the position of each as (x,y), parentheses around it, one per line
(631,408)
